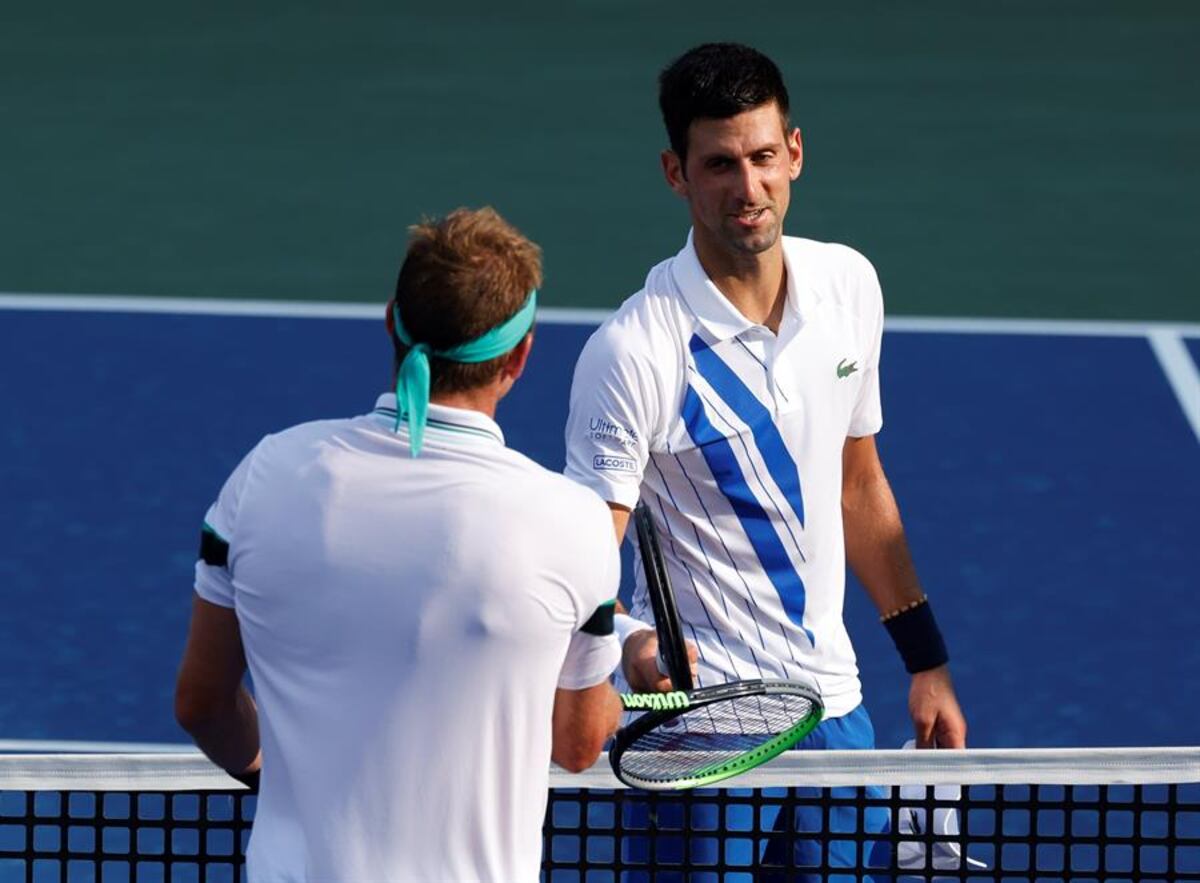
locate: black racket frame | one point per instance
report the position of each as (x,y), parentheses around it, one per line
(628,736)
(672,648)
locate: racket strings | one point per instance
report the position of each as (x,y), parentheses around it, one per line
(713,734)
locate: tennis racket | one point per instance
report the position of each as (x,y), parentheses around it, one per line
(692,737)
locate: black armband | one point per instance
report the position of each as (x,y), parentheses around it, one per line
(213,550)
(916,635)
(600,623)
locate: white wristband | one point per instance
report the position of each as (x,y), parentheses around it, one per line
(625,625)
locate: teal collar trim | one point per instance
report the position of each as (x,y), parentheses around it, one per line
(412,380)
(443,419)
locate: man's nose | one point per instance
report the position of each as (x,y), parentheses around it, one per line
(749,187)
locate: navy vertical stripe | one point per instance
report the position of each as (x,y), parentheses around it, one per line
(733,564)
(755,521)
(665,521)
(753,413)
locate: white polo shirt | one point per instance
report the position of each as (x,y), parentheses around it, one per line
(406,622)
(733,436)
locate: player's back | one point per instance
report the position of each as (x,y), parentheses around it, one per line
(405,621)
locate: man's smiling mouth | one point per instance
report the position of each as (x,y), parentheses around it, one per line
(752,216)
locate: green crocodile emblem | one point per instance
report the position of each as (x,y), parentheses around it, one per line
(844,370)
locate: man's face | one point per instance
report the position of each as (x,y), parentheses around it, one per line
(738,181)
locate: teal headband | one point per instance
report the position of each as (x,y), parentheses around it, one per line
(412,380)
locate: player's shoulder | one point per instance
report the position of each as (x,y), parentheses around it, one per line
(537,479)
(286,446)
(278,453)
(832,258)
(837,272)
(307,433)
(646,326)
(645,319)
(565,507)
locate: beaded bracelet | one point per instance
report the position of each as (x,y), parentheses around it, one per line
(924,599)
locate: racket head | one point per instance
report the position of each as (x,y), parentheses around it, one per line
(672,649)
(705,736)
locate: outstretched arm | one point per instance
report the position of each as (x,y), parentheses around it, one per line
(583,721)
(211,702)
(877,552)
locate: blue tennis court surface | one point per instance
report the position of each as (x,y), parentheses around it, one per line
(1050,485)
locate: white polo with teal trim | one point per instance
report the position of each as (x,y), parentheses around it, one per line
(733,436)
(406,623)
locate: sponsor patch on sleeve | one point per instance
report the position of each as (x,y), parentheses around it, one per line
(607,463)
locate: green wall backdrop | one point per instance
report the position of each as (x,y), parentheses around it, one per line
(1017,159)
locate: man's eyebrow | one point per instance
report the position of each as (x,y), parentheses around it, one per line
(719,153)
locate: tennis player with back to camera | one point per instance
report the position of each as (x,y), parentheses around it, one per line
(426,613)
(737,396)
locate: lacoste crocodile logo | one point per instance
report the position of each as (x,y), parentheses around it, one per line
(844,370)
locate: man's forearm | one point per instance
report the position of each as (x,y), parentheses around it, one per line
(582,722)
(877,552)
(228,733)
(876,547)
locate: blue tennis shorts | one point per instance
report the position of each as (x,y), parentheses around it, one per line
(849,732)
(756,855)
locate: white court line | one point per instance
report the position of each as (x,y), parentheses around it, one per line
(1165,337)
(1063,327)
(121,303)
(200,306)
(1181,372)
(72,746)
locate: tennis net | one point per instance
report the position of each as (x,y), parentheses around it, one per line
(1011,815)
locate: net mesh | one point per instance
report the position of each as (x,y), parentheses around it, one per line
(1108,815)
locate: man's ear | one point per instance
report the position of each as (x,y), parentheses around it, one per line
(514,365)
(673,171)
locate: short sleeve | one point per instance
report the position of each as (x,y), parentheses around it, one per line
(867,417)
(214,579)
(590,660)
(594,651)
(613,412)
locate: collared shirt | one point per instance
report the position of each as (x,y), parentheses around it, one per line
(406,622)
(733,436)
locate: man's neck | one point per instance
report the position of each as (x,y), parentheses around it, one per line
(756,284)
(483,400)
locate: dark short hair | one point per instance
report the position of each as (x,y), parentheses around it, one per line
(716,81)
(462,276)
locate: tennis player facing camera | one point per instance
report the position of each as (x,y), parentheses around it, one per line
(426,614)
(737,396)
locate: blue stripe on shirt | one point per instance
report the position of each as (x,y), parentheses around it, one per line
(735,394)
(755,521)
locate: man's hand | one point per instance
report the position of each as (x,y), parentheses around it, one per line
(937,719)
(639,661)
